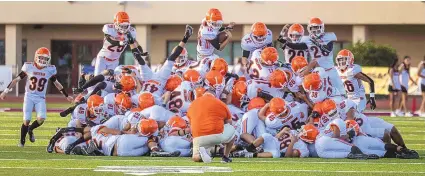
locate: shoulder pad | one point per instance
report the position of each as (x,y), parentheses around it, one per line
(356,69)
(52,69)
(133,32)
(329,36)
(108,29)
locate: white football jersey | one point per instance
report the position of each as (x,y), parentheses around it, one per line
(296,117)
(110,51)
(155,82)
(291,53)
(324,59)
(336,122)
(81,113)
(109,102)
(353,86)
(204,47)
(256,85)
(300,145)
(103,141)
(181,98)
(327,90)
(134,117)
(37,79)
(294,81)
(257,71)
(249,44)
(343,106)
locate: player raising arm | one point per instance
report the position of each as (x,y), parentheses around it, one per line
(38,73)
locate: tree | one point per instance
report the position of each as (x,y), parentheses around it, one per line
(371,54)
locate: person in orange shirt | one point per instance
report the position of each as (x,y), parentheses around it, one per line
(210,120)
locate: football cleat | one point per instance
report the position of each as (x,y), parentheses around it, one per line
(51,146)
(226,159)
(31,136)
(206,158)
(243,154)
(68,149)
(20,144)
(79,150)
(373,156)
(357,156)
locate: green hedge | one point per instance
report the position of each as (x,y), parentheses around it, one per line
(371,54)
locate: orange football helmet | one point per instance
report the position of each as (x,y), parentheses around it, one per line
(344,59)
(147,127)
(256,102)
(183,57)
(176,122)
(239,96)
(279,78)
(312,82)
(277,106)
(316,27)
(215,80)
(135,109)
(173,82)
(259,32)
(122,22)
(318,108)
(295,32)
(95,104)
(269,56)
(42,57)
(329,108)
(214,18)
(220,65)
(128,83)
(309,133)
(352,124)
(298,64)
(192,76)
(123,103)
(146,100)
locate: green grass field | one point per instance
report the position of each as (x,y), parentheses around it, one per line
(34,160)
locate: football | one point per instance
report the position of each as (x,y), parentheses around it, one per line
(222,36)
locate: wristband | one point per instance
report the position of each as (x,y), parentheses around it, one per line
(184,40)
(372,95)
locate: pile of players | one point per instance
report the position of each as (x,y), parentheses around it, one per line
(299,108)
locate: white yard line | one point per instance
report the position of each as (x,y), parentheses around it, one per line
(253,161)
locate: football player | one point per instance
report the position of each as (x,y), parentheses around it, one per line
(259,38)
(295,33)
(176,136)
(155,82)
(375,146)
(114,43)
(208,35)
(38,74)
(320,47)
(292,115)
(352,76)
(252,126)
(262,63)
